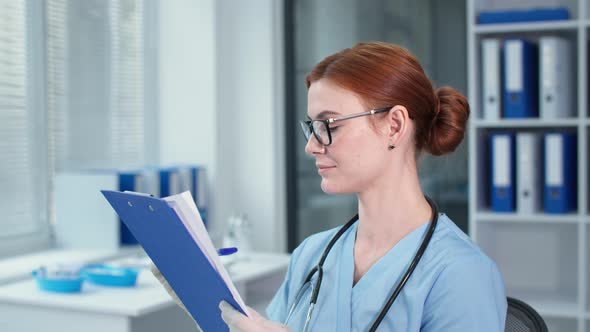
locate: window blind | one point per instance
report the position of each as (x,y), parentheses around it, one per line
(71,96)
(98,100)
(127,117)
(56,21)
(23,186)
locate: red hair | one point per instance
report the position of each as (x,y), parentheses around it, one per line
(385,75)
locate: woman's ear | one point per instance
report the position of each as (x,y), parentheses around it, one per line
(398,121)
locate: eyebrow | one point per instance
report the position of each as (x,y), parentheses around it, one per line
(325,114)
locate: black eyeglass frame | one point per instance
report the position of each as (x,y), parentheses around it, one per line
(309,124)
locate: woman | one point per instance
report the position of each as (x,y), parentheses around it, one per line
(455,286)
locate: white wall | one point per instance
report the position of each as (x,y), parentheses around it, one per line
(250,98)
(221,103)
(187,81)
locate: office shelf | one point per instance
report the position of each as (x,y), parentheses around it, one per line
(555,308)
(483,29)
(561,324)
(544,258)
(527,123)
(528,218)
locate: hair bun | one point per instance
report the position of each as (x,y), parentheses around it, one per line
(448,125)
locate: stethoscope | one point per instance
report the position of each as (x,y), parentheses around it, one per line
(320,270)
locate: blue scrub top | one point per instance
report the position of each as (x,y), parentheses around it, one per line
(455,287)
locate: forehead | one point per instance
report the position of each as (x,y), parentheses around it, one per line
(324,95)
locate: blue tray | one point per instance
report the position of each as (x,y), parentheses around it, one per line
(106,275)
(58,284)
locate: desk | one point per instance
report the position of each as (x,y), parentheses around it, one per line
(145,308)
(20,268)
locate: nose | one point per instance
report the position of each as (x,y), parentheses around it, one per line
(313,146)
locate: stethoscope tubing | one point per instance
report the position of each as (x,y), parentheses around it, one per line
(319,269)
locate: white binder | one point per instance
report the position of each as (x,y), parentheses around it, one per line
(491,69)
(528,177)
(556,73)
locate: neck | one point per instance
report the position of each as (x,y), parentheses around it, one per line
(391,209)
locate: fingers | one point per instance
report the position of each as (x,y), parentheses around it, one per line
(235,319)
(228,313)
(253,314)
(254,322)
(166,285)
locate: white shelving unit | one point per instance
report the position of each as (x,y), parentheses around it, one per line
(543,257)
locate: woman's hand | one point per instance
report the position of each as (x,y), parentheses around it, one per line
(237,322)
(167,287)
(171,292)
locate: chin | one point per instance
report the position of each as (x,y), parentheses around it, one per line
(331,187)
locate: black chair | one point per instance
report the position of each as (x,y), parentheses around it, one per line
(522,317)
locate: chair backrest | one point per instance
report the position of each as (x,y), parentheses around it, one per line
(521,317)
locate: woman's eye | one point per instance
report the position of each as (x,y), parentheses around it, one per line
(333,129)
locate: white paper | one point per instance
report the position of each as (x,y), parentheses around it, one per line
(184,206)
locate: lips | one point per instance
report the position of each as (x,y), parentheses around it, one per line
(323,169)
(323,166)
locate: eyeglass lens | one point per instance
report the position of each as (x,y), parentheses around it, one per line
(319,130)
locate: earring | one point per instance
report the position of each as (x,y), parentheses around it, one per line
(391,147)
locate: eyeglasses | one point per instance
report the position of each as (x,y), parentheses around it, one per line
(321,128)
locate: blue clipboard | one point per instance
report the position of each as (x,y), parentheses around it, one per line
(179,258)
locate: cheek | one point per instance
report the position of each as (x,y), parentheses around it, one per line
(350,152)
(359,159)
(362,152)
(368,163)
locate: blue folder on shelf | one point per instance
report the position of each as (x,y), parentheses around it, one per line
(169,181)
(526,15)
(521,79)
(560,173)
(167,241)
(503,182)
